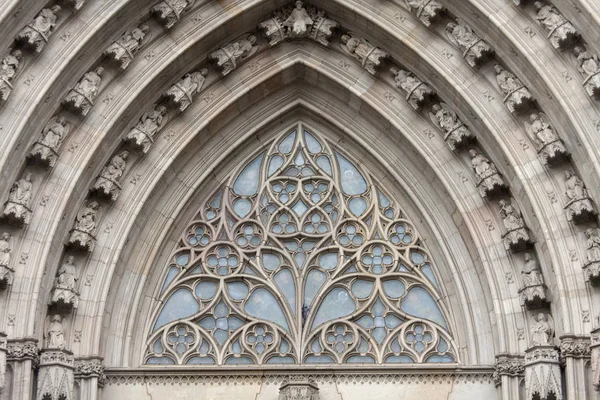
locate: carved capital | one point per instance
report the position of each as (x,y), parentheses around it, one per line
(508,365)
(298,388)
(575,346)
(22,349)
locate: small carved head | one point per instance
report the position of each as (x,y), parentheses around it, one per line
(144,28)
(93,205)
(55,9)
(502,202)
(6,236)
(498,68)
(578,50)
(527,257)
(71,259)
(451,25)
(541,317)
(299,4)
(204,72)
(61,120)
(589,232)
(99,70)
(18,54)
(473,153)
(161,109)
(538,5)
(435,108)
(124,154)
(251,39)
(569,174)
(57,318)
(28,177)
(534,117)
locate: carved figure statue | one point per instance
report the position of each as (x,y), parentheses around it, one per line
(511,217)
(575,188)
(17,206)
(6,272)
(516,96)
(123,50)
(64,294)
(516,236)
(533,292)
(142,134)
(589,66)
(541,332)
(488,177)
(8,70)
(425,10)
(182,93)
(416,92)
(531,273)
(299,22)
(169,12)
(81,97)
(475,50)
(82,234)
(37,33)
(456,133)
(107,183)
(370,57)
(561,32)
(86,220)
(549,145)
(592,267)
(46,149)
(579,206)
(228,57)
(55,335)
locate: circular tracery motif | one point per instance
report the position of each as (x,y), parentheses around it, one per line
(300,253)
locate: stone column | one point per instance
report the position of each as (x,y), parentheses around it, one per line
(595,352)
(55,375)
(575,352)
(542,373)
(3,350)
(23,356)
(298,388)
(509,370)
(89,374)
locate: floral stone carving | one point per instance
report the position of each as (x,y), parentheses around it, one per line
(141,136)
(6,272)
(561,33)
(16,209)
(45,150)
(107,184)
(476,51)
(589,66)
(416,92)
(425,10)
(517,97)
(516,237)
(82,236)
(81,98)
(592,267)
(169,12)
(123,49)
(456,133)
(228,57)
(370,57)
(36,34)
(574,346)
(8,70)
(489,181)
(547,142)
(298,388)
(579,207)
(64,294)
(182,93)
(533,291)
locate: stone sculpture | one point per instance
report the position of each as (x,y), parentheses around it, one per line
(228,57)
(107,184)
(55,335)
(36,34)
(299,22)
(169,12)
(16,209)
(456,134)
(182,93)
(547,142)
(516,237)
(8,70)
(6,272)
(533,291)
(516,96)
(298,388)
(541,331)
(123,50)
(82,235)
(425,10)
(64,293)
(416,92)
(475,50)
(592,266)
(370,57)
(589,66)
(579,206)
(142,134)
(489,180)
(561,32)
(45,150)
(81,97)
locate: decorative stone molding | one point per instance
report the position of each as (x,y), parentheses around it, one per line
(549,146)
(6,271)
(22,349)
(508,365)
(416,92)
(45,150)
(298,388)
(516,237)
(476,51)
(17,209)
(123,49)
(592,267)
(561,33)
(169,12)
(36,34)
(3,354)
(182,93)
(81,236)
(86,368)
(228,57)
(8,70)
(108,185)
(55,375)
(517,98)
(542,373)
(426,11)
(595,354)
(575,346)
(589,66)
(489,181)
(456,133)
(370,57)
(81,98)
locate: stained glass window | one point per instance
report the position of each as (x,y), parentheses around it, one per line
(300,258)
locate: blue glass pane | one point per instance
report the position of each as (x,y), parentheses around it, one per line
(299,208)
(262,304)
(360,360)
(338,303)
(428,272)
(183,259)
(384,202)
(442,346)
(313,145)
(417,258)
(394,289)
(173,271)
(362,289)
(399,360)
(201,361)
(239,360)
(319,360)
(440,359)
(275,163)
(358,206)
(160,361)
(314,282)
(246,183)
(352,181)
(238,290)
(242,207)
(281,360)
(285,282)
(324,163)
(286,144)
(392,321)
(206,290)
(328,260)
(271,261)
(181,304)
(419,303)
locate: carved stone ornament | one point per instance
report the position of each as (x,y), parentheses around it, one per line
(107,184)
(55,375)
(575,346)
(542,373)
(82,236)
(592,266)
(182,93)
(123,49)
(228,57)
(516,237)
(595,353)
(36,34)
(489,180)
(23,349)
(476,51)
(456,134)
(533,291)
(141,136)
(64,293)
(3,351)
(45,151)
(16,208)
(547,142)
(8,70)
(425,10)
(517,98)
(579,206)
(589,66)
(54,335)
(508,365)
(561,33)
(81,98)
(6,272)
(298,388)
(169,12)
(416,92)
(370,57)
(298,22)
(90,368)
